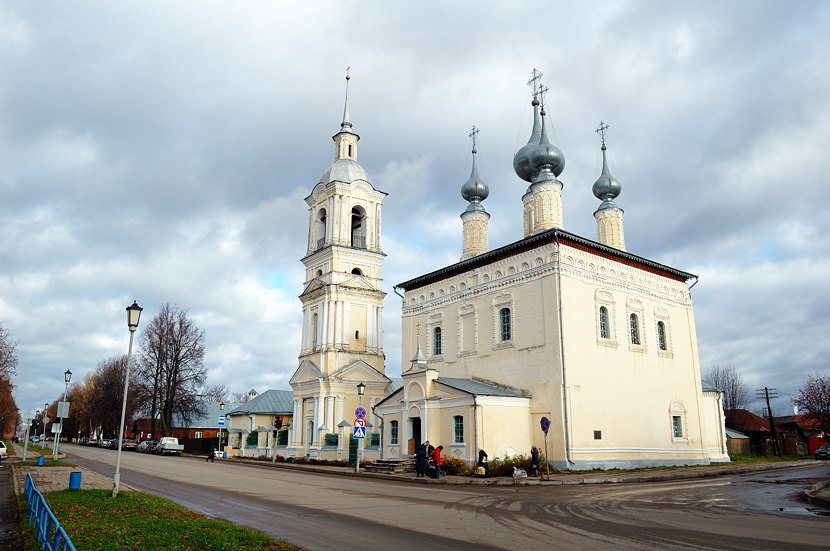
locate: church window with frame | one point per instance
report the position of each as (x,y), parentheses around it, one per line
(661,336)
(505,328)
(393,432)
(604,327)
(634,328)
(677,426)
(437,342)
(458,422)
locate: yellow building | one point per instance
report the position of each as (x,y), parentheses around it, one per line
(597,342)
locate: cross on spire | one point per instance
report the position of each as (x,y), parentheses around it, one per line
(601,131)
(534,81)
(472,135)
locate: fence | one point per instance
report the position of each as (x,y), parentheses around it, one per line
(50,533)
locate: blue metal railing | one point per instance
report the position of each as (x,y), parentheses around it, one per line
(50,533)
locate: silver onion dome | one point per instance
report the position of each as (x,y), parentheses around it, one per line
(474,189)
(546,155)
(521,160)
(606,188)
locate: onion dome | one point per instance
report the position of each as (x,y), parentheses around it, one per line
(474,189)
(521,160)
(606,188)
(546,156)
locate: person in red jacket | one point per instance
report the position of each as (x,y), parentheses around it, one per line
(437,460)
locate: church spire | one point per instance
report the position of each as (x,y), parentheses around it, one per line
(346,125)
(474,190)
(345,141)
(609,216)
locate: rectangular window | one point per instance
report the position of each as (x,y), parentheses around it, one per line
(198,434)
(634,326)
(459,429)
(677,426)
(393,432)
(604,331)
(597,435)
(437,345)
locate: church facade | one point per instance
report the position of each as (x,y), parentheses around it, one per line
(555,331)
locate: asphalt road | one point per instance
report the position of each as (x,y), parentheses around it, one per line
(330,512)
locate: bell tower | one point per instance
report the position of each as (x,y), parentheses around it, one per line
(342,297)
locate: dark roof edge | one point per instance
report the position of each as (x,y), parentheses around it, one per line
(532,242)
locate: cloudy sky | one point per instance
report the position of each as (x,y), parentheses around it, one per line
(160,152)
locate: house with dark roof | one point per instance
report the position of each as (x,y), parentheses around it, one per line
(257,417)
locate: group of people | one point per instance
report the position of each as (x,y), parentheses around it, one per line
(428,459)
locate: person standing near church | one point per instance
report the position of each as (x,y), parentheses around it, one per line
(534,460)
(421,462)
(437,460)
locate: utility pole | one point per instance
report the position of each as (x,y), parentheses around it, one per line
(768,393)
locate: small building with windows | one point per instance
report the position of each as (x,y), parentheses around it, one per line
(598,341)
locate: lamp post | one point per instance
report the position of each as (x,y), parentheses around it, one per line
(43,422)
(133,315)
(361,390)
(221,408)
(67,376)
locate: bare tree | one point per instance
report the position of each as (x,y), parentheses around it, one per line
(106,395)
(8,354)
(171,372)
(240,397)
(214,393)
(814,396)
(735,394)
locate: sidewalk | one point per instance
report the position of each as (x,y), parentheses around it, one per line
(50,479)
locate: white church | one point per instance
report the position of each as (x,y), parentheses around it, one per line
(576,335)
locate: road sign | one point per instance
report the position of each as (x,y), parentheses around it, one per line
(545,422)
(360,422)
(360,413)
(359,432)
(221,421)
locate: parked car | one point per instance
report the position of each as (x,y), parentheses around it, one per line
(4,452)
(144,445)
(92,442)
(169,445)
(83,441)
(129,444)
(154,447)
(823,452)
(34,439)
(105,443)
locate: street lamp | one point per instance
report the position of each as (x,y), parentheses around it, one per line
(67,376)
(361,390)
(44,421)
(133,315)
(221,408)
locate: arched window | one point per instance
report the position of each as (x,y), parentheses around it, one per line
(634,327)
(458,422)
(358,228)
(504,319)
(437,345)
(320,228)
(356,271)
(661,335)
(604,331)
(393,432)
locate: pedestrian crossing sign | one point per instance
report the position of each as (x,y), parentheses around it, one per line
(360,432)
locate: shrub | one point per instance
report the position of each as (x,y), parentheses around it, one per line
(453,466)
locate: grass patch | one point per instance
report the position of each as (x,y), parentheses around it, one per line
(94,520)
(748,458)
